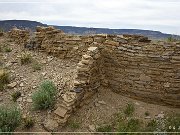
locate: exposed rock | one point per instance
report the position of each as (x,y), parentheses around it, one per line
(147,117)
(21,84)
(92,128)
(102,102)
(69,97)
(20,99)
(44,73)
(12,85)
(161,115)
(29,100)
(61,111)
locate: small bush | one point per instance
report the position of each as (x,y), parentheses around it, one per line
(173,123)
(104,128)
(146,113)
(36,66)
(73,124)
(26,58)
(7,49)
(1,48)
(4,78)
(29,122)
(15,95)
(171,39)
(10,118)
(131,125)
(45,97)
(151,126)
(129,110)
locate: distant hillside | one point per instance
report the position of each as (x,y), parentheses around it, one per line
(84,30)
(9,24)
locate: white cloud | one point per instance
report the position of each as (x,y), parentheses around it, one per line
(162,15)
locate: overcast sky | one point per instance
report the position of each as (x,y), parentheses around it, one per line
(161,15)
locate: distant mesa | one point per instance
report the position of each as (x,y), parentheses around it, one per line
(6,25)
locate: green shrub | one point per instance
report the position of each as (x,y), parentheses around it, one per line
(104,128)
(146,113)
(4,78)
(45,97)
(29,122)
(73,124)
(171,39)
(10,118)
(16,95)
(7,49)
(173,123)
(151,126)
(36,66)
(1,30)
(129,125)
(26,58)
(129,110)
(1,48)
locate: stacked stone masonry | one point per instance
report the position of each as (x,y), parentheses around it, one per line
(21,37)
(130,65)
(86,84)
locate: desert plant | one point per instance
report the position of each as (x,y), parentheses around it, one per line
(129,110)
(26,58)
(151,126)
(146,113)
(10,118)
(36,66)
(7,49)
(29,122)
(171,39)
(4,78)
(104,128)
(173,123)
(1,30)
(45,97)
(73,124)
(129,125)
(1,49)
(16,95)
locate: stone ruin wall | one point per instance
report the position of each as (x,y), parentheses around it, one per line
(19,36)
(130,65)
(144,71)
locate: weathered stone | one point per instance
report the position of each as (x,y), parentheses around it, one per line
(145,78)
(69,97)
(102,102)
(111,43)
(86,57)
(92,128)
(167,85)
(92,49)
(12,85)
(61,112)
(29,100)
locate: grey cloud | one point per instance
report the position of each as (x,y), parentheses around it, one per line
(160,15)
